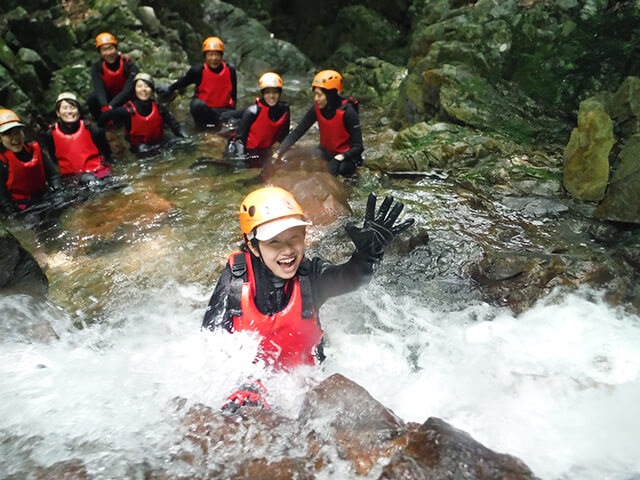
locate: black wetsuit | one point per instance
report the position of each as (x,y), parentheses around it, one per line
(50,173)
(257,157)
(352,157)
(97,135)
(327,280)
(122,117)
(203,115)
(99,96)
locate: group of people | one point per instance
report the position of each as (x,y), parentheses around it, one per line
(124,96)
(269,286)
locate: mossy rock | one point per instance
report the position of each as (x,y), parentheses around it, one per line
(622,201)
(373,79)
(586,156)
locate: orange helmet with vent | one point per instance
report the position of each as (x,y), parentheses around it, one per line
(328,79)
(105,38)
(213,44)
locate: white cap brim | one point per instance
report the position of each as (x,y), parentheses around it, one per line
(9,125)
(270,229)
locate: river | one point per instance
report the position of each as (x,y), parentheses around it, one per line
(131,272)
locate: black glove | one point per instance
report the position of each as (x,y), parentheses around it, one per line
(377,233)
(163,89)
(235,149)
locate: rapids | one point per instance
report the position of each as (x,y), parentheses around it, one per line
(131,272)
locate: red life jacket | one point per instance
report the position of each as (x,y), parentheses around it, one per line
(114,81)
(264,131)
(334,137)
(76,152)
(149,129)
(25,179)
(290,337)
(215,88)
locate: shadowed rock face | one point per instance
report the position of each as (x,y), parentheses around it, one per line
(19,272)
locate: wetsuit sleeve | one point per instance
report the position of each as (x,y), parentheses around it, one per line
(352,124)
(50,171)
(286,127)
(328,280)
(130,69)
(5,198)
(234,84)
(308,120)
(217,314)
(98,84)
(50,145)
(100,140)
(171,121)
(192,77)
(119,116)
(248,118)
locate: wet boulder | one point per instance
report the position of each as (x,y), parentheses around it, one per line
(337,417)
(624,107)
(373,80)
(622,200)
(363,430)
(19,271)
(321,195)
(249,45)
(438,451)
(586,156)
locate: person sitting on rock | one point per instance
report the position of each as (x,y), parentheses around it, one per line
(112,77)
(269,287)
(263,124)
(143,119)
(77,146)
(216,86)
(339,124)
(25,170)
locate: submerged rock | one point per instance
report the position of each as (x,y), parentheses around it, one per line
(19,271)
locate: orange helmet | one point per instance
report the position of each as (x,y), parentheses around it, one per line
(329,79)
(270,80)
(213,44)
(266,204)
(105,38)
(9,120)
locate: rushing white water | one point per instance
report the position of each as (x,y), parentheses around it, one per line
(558,387)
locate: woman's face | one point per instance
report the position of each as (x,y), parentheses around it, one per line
(143,90)
(283,253)
(13,139)
(271,96)
(68,112)
(319,97)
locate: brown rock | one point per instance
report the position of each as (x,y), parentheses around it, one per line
(363,429)
(438,451)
